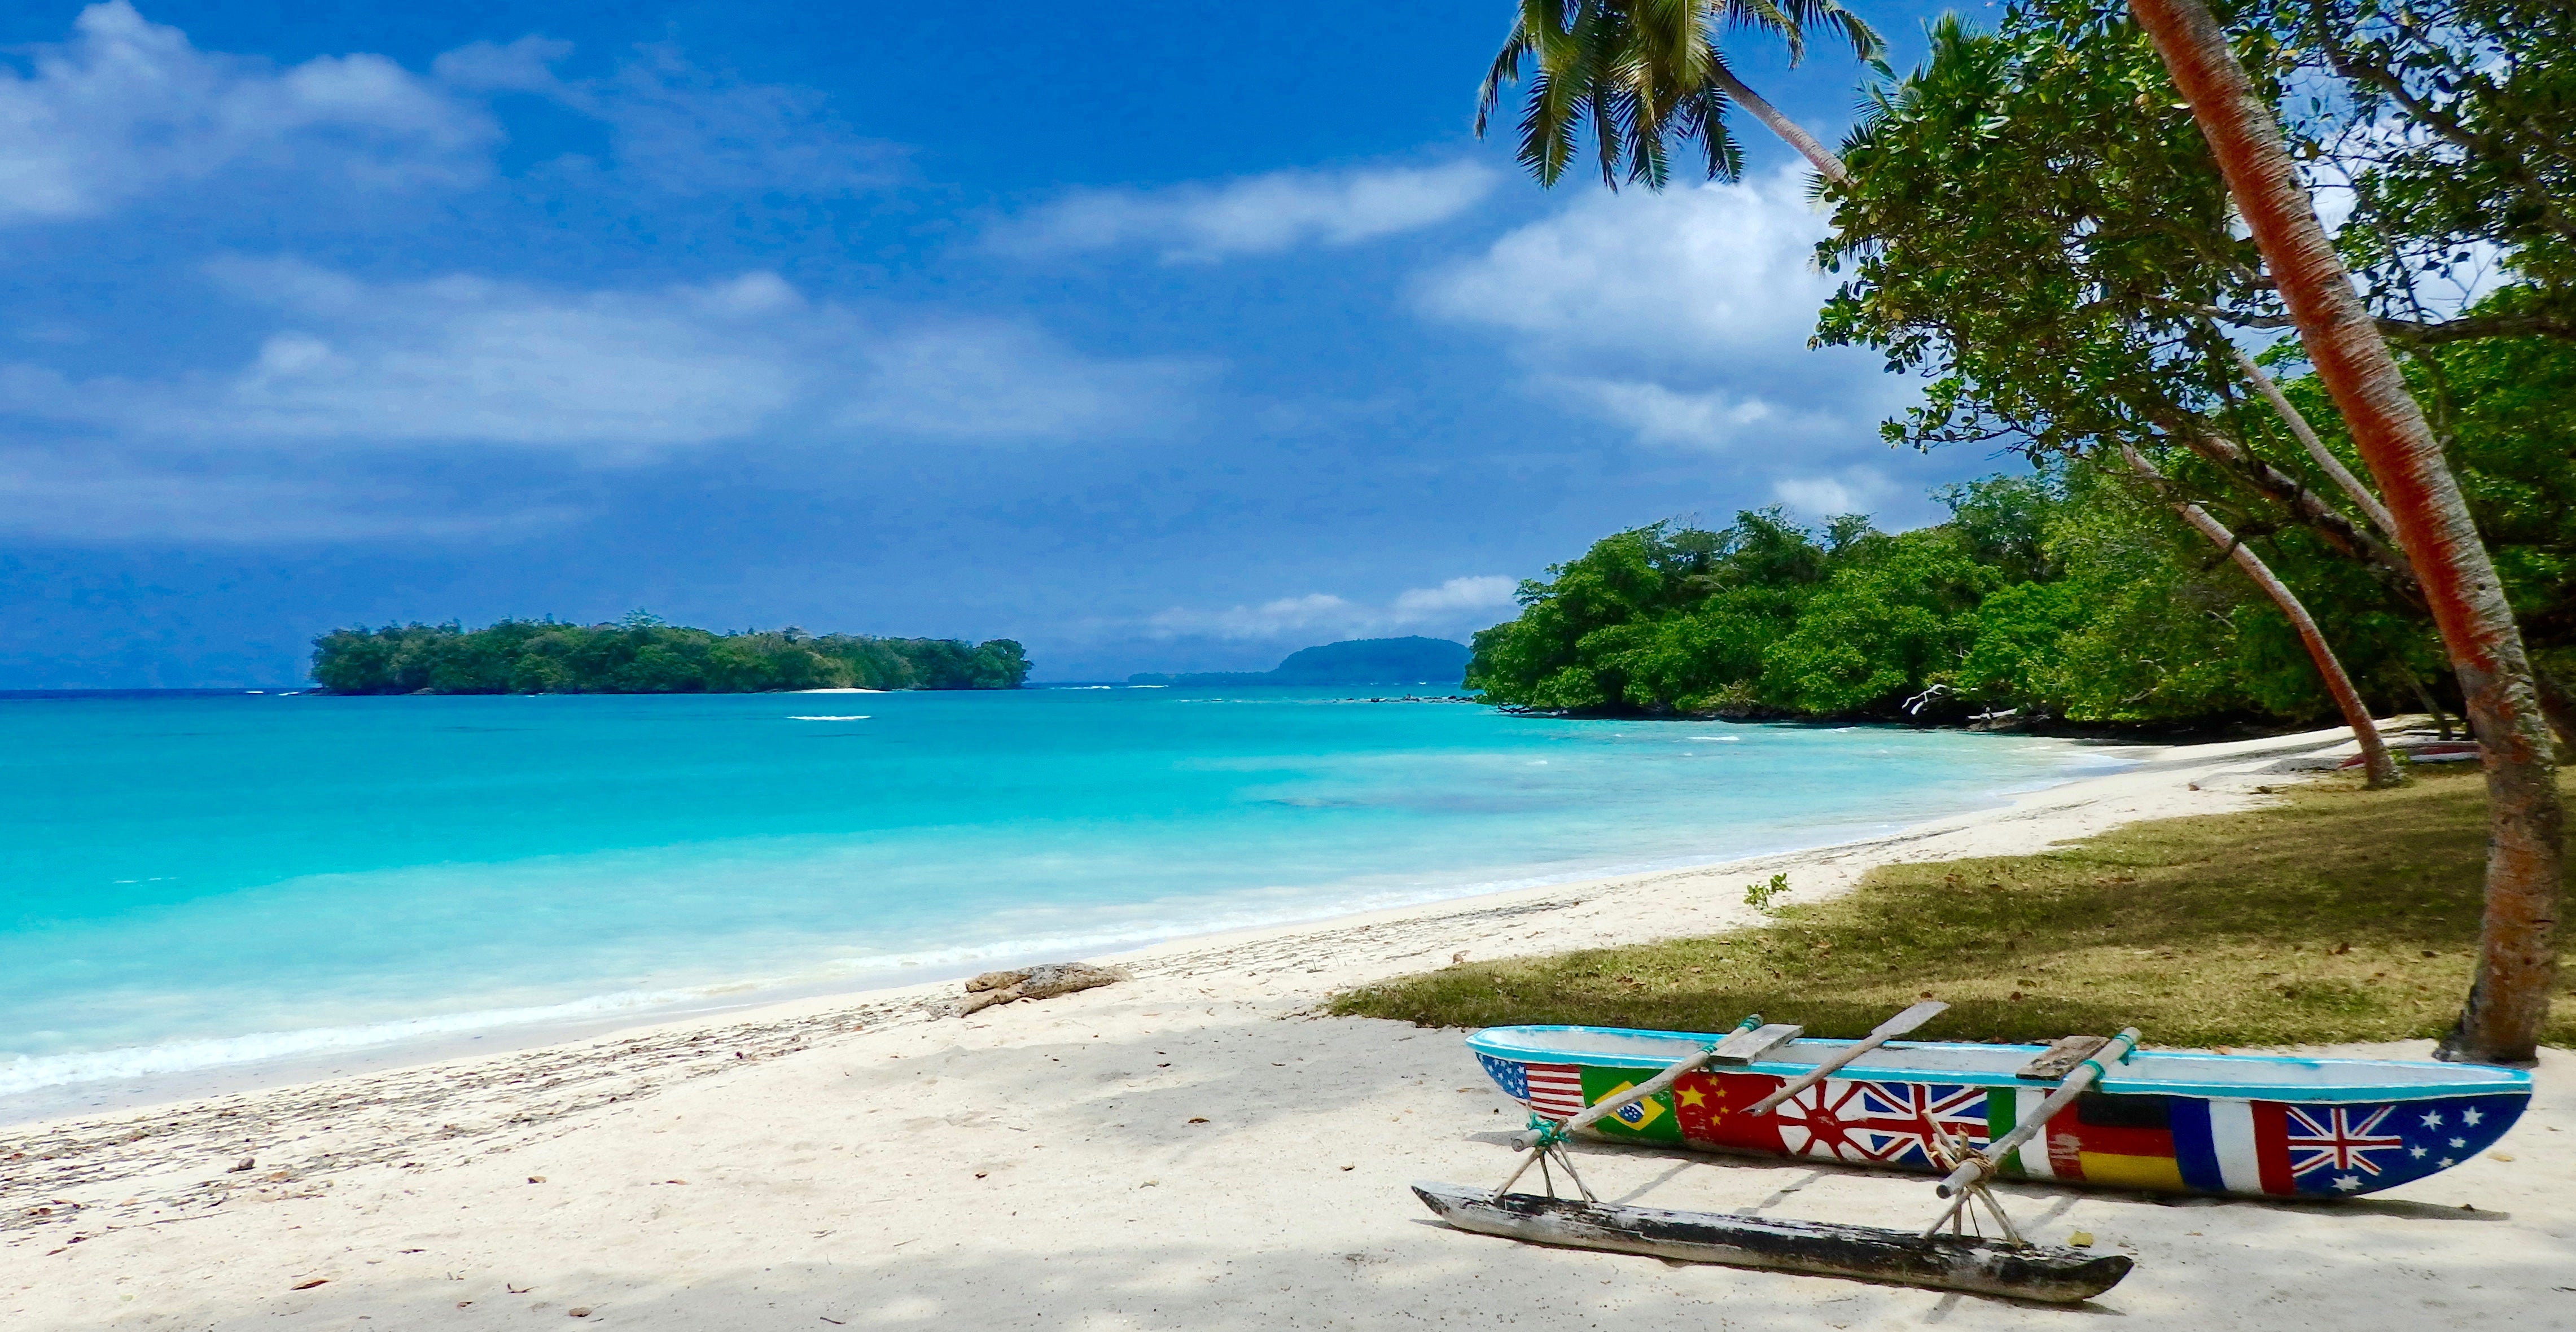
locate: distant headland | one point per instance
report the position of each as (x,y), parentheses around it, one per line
(642,655)
(1359,661)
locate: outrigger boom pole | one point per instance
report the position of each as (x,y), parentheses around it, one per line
(1542,1137)
(1886,1031)
(1980,1165)
(1611,1105)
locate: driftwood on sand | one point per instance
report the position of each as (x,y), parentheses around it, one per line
(1045,981)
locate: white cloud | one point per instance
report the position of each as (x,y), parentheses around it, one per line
(1455,605)
(468,359)
(100,495)
(1486,592)
(1712,271)
(1851,490)
(1255,215)
(1267,620)
(1682,316)
(996,380)
(127,108)
(611,376)
(1712,418)
(685,130)
(525,66)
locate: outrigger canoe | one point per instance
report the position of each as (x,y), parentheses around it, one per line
(2176,1121)
(1942,1262)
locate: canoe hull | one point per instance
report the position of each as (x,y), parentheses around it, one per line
(1867,1253)
(2317,1139)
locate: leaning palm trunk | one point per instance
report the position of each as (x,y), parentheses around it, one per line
(2556,705)
(2381,769)
(2517,957)
(2324,457)
(1823,159)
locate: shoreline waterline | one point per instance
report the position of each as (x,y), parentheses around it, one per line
(139,1078)
(197,884)
(778,1166)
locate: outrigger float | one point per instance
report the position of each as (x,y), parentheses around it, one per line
(2087,1110)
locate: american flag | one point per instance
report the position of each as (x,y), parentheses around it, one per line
(1553,1090)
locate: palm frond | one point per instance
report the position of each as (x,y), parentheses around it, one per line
(1637,76)
(1506,69)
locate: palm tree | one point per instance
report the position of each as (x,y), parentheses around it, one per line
(1638,73)
(2517,955)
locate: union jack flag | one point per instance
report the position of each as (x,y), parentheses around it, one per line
(2322,1138)
(1891,1123)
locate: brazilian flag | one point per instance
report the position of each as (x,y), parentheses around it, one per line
(1652,1117)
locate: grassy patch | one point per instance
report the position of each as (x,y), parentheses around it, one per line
(2341,915)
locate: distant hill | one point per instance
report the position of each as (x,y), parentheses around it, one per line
(1360,661)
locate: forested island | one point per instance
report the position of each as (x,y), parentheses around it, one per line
(641,655)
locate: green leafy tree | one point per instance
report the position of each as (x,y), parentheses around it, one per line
(1896,616)
(642,655)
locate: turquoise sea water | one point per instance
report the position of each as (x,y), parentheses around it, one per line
(193,883)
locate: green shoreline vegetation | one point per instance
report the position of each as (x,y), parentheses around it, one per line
(2061,595)
(642,655)
(2337,914)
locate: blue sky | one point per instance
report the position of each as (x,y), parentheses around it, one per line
(1161,337)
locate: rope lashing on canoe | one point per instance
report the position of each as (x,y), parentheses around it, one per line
(1983,1164)
(1966,1181)
(1545,1137)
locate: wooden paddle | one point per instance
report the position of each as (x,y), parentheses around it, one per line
(1881,1035)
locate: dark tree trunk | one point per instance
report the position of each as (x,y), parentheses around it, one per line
(2518,956)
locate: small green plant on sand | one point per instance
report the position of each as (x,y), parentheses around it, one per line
(1758,895)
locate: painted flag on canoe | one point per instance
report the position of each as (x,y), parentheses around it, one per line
(1649,1118)
(1708,1107)
(1553,1090)
(1893,1123)
(2223,1145)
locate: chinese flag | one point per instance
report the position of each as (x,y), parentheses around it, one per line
(1707,1106)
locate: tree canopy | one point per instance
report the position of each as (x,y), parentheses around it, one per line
(2056,595)
(643,656)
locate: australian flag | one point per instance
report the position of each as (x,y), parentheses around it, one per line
(2347,1149)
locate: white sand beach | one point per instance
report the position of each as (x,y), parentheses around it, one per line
(1191,1149)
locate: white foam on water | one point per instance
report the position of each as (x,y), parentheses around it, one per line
(1109,928)
(33,1073)
(861,717)
(843,690)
